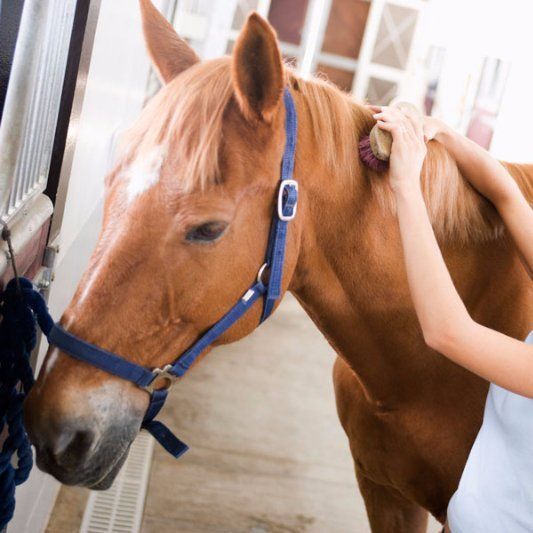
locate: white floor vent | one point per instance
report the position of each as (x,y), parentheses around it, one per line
(120,509)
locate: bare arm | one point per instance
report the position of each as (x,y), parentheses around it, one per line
(445,321)
(493,181)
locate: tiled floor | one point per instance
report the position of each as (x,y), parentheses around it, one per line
(267,454)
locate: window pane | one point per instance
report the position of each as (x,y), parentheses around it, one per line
(381,92)
(395,35)
(488,101)
(346,27)
(434,64)
(288,17)
(343,79)
(290,61)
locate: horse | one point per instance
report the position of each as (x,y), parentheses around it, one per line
(186,221)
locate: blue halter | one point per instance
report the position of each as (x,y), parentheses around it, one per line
(150,380)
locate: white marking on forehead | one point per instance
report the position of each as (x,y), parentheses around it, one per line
(144,171)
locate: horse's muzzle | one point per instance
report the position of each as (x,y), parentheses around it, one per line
(77,455)
(82,436)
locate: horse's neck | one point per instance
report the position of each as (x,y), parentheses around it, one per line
(350,276)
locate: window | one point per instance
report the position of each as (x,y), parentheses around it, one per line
(362,46)
(486,109)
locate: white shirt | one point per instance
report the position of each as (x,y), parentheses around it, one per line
(495,494)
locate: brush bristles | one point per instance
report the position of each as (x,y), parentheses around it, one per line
(369,159)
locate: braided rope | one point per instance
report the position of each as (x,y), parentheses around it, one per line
(20,307)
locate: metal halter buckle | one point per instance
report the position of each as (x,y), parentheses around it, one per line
(282,188)
(162,376)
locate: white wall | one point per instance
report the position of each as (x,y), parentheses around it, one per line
(114,95)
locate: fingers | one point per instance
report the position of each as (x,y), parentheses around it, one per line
(398,131)
(405,142)
(416,121)
(408,123)
(391,126)
(394,115)
(411,120)
(408,149)
(389,114)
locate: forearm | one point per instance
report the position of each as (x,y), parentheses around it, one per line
(492,180)
(446,325)
(500,359)
(518,219)
(482,170)
(438,305)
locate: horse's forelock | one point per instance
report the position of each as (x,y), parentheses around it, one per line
(184,120)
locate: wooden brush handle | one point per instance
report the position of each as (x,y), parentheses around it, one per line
(381,141)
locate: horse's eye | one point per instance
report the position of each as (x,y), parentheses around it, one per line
(205,233)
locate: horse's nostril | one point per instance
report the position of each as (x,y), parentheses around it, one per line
(72,447)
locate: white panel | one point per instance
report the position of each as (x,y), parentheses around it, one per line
(263,7)
(120,508)
(114,96)
(192,25)
(313,35)
(220,14)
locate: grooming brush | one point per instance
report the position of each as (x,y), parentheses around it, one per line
(375,149)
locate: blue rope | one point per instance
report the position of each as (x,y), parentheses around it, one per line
(20,306)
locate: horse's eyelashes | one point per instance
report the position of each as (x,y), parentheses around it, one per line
(207,232)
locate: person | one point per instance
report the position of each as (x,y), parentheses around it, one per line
(495,493)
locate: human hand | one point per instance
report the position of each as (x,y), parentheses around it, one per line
(432,127)
(408,147)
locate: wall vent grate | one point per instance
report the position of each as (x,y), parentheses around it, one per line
(120,508)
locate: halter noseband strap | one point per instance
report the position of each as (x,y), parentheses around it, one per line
(149,380)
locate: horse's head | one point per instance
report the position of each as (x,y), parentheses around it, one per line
(186,222)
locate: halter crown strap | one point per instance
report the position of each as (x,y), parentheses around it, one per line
(147,379)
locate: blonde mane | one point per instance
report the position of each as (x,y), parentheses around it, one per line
(188,115)
(457,212)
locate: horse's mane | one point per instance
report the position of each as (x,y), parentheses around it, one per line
(457,212)
(191,109)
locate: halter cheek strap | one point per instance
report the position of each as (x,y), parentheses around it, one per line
(151,380)
(285,210)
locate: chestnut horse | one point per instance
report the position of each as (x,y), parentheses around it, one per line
(186,223)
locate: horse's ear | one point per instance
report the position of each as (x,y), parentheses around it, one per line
(257,69)
(169,53)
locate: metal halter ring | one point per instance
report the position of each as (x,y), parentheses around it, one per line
(162,376)
(260,273)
